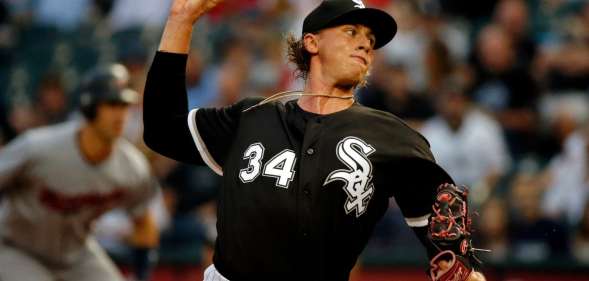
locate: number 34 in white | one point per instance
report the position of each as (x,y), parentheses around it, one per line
(280,166)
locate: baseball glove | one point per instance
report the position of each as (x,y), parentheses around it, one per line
(449,230)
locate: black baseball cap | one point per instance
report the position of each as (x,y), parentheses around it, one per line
(337,12)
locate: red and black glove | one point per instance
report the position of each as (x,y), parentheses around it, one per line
(449,231)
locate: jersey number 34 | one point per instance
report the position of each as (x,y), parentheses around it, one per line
(280,166)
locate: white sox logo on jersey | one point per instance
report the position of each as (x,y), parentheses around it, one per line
(359,4)
(354,152)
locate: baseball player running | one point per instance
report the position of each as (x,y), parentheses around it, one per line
(305,181)
(56,181)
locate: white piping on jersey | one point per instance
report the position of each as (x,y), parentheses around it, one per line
(200,144)
(211,274)
(418,222)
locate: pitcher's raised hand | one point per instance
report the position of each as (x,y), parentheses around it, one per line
(178,31)
(190,10)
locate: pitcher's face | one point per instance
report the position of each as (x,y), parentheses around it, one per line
(346,53)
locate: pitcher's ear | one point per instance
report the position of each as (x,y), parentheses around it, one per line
(310,42)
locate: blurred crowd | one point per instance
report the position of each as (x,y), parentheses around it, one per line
(500,88)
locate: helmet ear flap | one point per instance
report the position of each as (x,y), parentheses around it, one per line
(89,111)
(88,106)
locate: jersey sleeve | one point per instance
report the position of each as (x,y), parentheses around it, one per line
(214,129)
(417,175)
(416,190)
(165,109)
(415,194)
(14,159)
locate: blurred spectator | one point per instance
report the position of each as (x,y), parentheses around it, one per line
(103,7)
(439,63)
(134,128)
(389,90)
(5,129)
(505,89)
(567,191)
(7,36)
(513,17)
(7,43)
(201,80)
(412,42)
(493,229)
(22,116)
(451,33)
(2,131)
(53,13)
(534,236)
(51,101)
(549,18)
(271,72)
(466,142)
(566,64)
(569,68)
(219,84)
(135,60)
(128,14)
(230,9)
(560,115)
(233,72)
(472,10)
(192,230)
(580,241)
(134,57)
(300,8)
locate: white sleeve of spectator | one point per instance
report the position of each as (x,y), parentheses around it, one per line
(562,183)
(13,160)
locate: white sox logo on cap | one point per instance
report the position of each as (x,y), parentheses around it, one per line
(359,4)
(332,13)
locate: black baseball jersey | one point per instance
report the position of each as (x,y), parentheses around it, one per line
(301,192)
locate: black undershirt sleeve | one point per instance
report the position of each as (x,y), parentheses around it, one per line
(165,109)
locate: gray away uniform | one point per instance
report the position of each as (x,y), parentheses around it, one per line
(50,198)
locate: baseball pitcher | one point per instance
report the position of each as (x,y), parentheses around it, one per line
(305,181)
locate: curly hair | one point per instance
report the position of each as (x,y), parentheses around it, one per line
(298,55)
